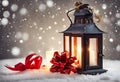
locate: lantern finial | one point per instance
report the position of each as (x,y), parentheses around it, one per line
(78,4)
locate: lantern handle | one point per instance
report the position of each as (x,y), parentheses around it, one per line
(69,16)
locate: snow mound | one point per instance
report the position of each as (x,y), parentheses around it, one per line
(42,75)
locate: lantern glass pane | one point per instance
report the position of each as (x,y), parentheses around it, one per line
(67,46)
(93,51)
(76,50)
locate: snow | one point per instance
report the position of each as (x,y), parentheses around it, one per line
(117,15)
(111,39)
(23,11)
(6,14)
(118,22)
(5,3)
(104,6)
(15,51)
(4,21)
(42,7)
(43,74)
(49,3)
(14,7)
(118,48)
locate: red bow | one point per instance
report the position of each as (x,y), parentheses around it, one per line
(63,63)
(31,62)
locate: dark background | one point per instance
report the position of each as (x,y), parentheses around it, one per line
(28,26)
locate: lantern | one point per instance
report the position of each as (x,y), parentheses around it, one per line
(83,39)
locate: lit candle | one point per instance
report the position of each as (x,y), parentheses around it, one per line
(49,56)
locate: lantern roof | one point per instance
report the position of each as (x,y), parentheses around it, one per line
(83,29)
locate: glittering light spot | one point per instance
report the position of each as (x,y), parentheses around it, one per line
(6,14)
(49,27)
(55,23)
(104,6)
(117,15)
(106,20)
(49,3)
(41,28)
(53,38)
(4,21)
(8,36)
(118,22)
(18,35)
(15,51)
(21,41)
(118,48)
(53,16)
(14,7)
(56,31)
(25,36)
(63,19)
(111,39)
(58,8)
(13,16)
(42,7)
(40,37)
(5,3)
(23,11)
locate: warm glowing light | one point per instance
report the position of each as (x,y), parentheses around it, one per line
(67,43)
(76,50)
(79,52)
(93,52)
(49,56)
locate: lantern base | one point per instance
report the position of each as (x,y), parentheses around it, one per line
(92,72)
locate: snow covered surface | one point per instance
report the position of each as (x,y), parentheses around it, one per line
(43,75)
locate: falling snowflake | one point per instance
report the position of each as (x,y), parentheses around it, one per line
(15,51)
(25,36)
(49,3)
(13,16)
(117,15)
(6,14)
(118,22)
(14,7)
(18,35)
(40,37)
(55,23)
(21,41)
(111,39)
(104,6)
(4,21)
(42,7)
(23,11)
(5,3)
(49,27)
(118,48)
(52,38)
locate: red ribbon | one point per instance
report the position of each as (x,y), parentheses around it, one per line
(63,63)
(30,63)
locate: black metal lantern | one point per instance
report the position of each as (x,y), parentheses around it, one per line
(84,40)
